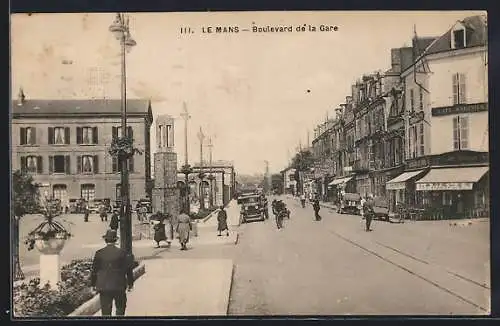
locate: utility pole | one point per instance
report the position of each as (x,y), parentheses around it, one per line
(266,177)
(211,176)
(201,175)
(186,169)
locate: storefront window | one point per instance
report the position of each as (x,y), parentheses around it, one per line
(447,200)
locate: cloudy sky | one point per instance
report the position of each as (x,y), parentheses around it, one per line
(248,90)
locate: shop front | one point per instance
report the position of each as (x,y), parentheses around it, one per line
(339,185)
(454,192)
(363,184)
(401,189)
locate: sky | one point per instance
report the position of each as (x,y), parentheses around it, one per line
(256,94)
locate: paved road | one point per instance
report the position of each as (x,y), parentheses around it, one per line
(334,267)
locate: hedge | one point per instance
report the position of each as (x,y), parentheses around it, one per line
(31,300)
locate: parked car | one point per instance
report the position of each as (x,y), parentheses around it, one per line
(251,209)
(381,208)
(147,203)
(350,203)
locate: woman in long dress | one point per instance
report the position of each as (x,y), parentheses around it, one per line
(183,228)
(159,230)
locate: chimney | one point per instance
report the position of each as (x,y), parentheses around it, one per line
(396,60)
(20,97)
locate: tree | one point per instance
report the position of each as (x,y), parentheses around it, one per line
(302,161)
(24,199)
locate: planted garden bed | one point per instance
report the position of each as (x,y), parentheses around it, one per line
(31,300)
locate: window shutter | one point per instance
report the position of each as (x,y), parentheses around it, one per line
(79,137)
(131,164)
(51,164)
(23,163)
(462,90)
(455,88)
(130,132)
(464,132)
(114,163)
(33,136)
(23,136)
(95,136)
(39,165)
(96,164)
(67,166)
(158,136)
(66,135)
(114,133)
(456,131)
(51,136)
(79,164)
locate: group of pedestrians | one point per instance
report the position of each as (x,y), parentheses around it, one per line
(166,225)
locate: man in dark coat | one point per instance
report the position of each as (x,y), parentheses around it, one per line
(112,274)
(222,221)
(316,208)
(115,221)
(368,211)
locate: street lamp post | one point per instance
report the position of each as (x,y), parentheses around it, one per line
(186,168)
(211,177)
(120,28)
(201,175)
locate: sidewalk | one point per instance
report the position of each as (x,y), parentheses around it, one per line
(182,287)
(233,216)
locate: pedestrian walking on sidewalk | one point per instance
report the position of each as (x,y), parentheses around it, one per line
(103,212)
(112,275)
(160,234)
(115,221)
(183,228)
(222,221)
(86,212)
(316,208)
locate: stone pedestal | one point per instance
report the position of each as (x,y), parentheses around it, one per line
(50,269)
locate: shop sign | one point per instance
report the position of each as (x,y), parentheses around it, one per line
(460,108)
(444,186)
(395,186)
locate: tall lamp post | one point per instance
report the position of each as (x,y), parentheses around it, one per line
(186,168)
(201,175)
(211,176)
(120,28)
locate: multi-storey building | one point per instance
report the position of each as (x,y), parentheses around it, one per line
(64,144)
(446,100)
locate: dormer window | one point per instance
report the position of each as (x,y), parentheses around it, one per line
(458,37)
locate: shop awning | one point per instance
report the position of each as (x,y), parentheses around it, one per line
(399,181)
(339,181)
(451,178)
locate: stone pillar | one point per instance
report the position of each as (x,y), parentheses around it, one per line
(165,192)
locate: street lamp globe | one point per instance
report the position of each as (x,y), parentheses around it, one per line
(117,27)
(129,42)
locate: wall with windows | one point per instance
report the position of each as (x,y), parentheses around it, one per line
(472,134)
(473,80)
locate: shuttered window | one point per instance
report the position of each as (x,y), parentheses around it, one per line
(32,164)
(58,135)
(116,167)
(460,132)
(459,89)
(60,164)
(87,135)
(27,136)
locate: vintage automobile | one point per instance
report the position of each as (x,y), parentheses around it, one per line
(381,208)
(251,209)
(350,203)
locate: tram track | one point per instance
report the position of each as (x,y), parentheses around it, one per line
(450,288)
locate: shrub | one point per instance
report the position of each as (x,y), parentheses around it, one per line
(30,300)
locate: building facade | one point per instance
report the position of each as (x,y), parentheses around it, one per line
(64,144)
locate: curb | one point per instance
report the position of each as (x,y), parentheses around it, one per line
(230,290)
(93,305)
(227,294)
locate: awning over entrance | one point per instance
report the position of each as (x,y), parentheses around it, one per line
(399,181)
(451,178)
(339,181)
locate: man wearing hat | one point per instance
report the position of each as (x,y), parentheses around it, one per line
(112,274)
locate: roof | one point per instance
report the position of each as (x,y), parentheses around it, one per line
(36,108)
(476,35)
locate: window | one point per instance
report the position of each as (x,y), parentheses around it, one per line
(459,39)
(59,164)
(88,192)
(59,191)
(460,132)
(117,132)
(31,164)
(28,136)
(447,198)
(116,167)
(459,95)
(87,164)
(412,141)
(86,135)
(421,139)
(412,101)
(421,99)
(58,136)
(397,151)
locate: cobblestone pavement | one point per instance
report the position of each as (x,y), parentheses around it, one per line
(334,267)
